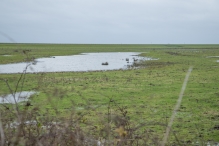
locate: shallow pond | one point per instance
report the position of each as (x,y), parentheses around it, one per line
(82,62)
(19,97)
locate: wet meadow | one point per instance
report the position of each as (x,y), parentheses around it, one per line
(115,107)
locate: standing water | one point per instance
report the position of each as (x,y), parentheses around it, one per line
(82,62)
(17,97)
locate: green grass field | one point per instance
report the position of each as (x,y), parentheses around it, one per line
(147,95)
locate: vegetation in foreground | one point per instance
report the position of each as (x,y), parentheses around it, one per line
(122,107)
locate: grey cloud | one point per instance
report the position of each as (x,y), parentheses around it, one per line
(110,21)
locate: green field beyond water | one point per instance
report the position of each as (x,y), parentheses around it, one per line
(145,97)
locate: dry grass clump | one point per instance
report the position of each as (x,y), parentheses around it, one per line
(26,126)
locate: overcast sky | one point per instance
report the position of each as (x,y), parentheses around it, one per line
(110,21)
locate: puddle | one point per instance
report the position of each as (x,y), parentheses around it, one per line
(82,62)
(19,97)
(15,124)
(213,57)
(212,144)
(6,55)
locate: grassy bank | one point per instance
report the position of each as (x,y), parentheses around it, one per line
(144,97)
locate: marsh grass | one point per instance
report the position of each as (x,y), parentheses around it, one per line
(123,107)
